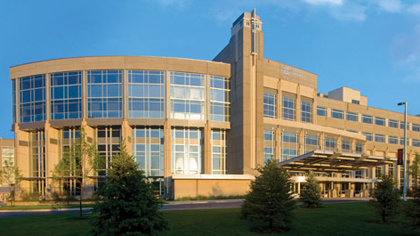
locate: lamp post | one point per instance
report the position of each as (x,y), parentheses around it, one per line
(405,151)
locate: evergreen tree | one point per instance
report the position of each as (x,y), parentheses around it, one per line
(270,199)
(310,195)
(412,208)
(129,206)
(386,197)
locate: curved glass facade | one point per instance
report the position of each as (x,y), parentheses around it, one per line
(66,95)
(32,98)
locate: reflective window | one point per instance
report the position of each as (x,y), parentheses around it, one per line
(219,98)
(269,145)
(378,171)
(367,119)
(218,149)
(393,123)
(311,143)
(32,98)
(306,112)
(288,109)
(146,94)
(321,111)
(148,150)
(359,148)
(416,143)
(330,144)
(402,141)
(104,94)
(108,140)
(380,138)
(289,146)
(368,136)
(187,151)
(391,169)
(352,116)
(402,125)
(345,146)
(14,99)
(37,165)
(187,96)
(66,95)
(269,105)
(338,114)
(392,139)
(416,127)
(380,121)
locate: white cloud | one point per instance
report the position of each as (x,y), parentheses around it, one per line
(390,5)
(415,9)
(349,12)
(324,2)
(406,52)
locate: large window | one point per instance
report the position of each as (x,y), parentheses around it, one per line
(306,112)
(367,119)
(402,141)
(14,99)
(104,94)
(359,148)
(219,98)
(146,94)
(338,114)
(416,127)
(380,121)
(288,109)
(392,139)
(368,136)
(402,125)
(269,145)
(269,105)
(187,151)
(380,138)
(66,95)
(37,165)
(345,146)
(148,150)
(311,143)
(330,144)
(218,152)
(352,116)
(393,123)
(108,139)
(187,96)
(32,98)
(289,148)
(416,143)
(321,111)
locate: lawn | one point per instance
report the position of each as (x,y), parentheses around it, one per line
(333,219)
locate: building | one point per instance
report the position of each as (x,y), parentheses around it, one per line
(202,127)
(7,156)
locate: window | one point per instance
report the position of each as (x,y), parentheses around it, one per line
(306,114)
(146,94)
(66,95)
(32,98)
(391,169)
(367,119)
(345,146)
(218,147)
(321,111)
(378,172)
(187,96)
(416,127)
(219,98)
(269,105)
(359,148)
(380,138)
(330,144)
(380,121)
(311,143)
(288,109)
(338,114)
(14,99)
(392,140)
(402,141)
(393,123)
(289,146)
(355,101)
(104,94)
(416,143)
(402,125)
(352,116)
(187,151)
(368,136)
(269,145)
(148,150)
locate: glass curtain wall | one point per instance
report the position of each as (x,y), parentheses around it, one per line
(38,162)
(71,186)
(104,94)
(187,151)
(148,150)
(32,98)
(108,141)
(187,96)
(219,98)
(66,95)
(14,100)
(218,152)
(146,94)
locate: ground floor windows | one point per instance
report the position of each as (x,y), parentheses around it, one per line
(148,150)
(187,150)
(218,152)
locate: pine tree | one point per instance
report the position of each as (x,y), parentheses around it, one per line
(412,208)
(129,206)
(270,199)
(386,197)
(310,195)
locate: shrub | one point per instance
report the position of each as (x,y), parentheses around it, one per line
(310,194)
(386,198)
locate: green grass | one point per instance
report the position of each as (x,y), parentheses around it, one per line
(333,219)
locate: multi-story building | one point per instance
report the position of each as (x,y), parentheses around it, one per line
(7,158)
(202,127)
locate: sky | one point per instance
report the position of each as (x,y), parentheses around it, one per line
(368,45)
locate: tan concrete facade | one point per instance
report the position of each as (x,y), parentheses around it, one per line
(291,121)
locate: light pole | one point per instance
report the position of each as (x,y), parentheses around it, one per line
(405,152)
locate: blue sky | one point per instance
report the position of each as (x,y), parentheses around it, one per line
(369,45)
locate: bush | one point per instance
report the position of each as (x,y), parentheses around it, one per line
(270,199)
(412,207)
(129,206)
(310,195)
(386,198)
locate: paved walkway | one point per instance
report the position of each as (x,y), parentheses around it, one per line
(169,206)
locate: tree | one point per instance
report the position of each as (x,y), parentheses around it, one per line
(270,199)
(414,169)
(78,162)
(412,208)
(386,197)
(129,206)
(310,195)
(10,176)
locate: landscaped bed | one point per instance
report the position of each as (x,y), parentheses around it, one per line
(332,219)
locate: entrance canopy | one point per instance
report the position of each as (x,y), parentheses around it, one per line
(330,161)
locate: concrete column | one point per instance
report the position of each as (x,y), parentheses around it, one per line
(301,139)
(23,156)
(207,149)
(126,133)
(52,156)
(279,99)
(339,141)
(322,141)
(167,147)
